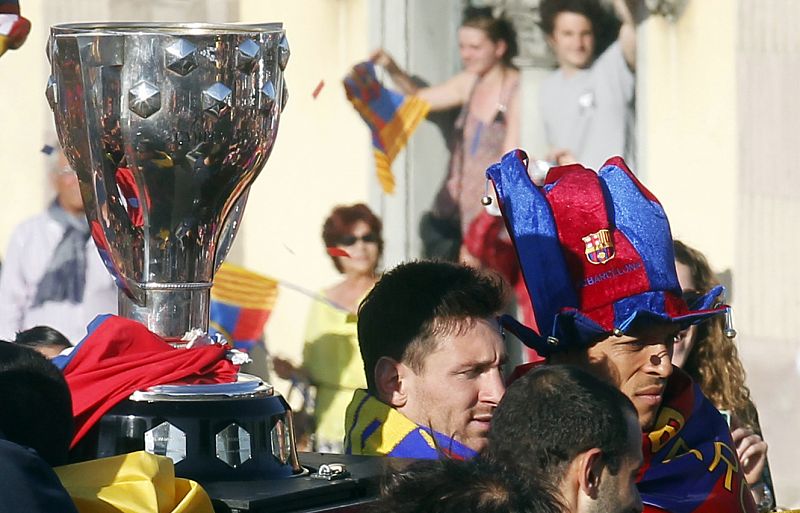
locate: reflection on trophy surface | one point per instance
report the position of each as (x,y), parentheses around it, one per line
(166,126)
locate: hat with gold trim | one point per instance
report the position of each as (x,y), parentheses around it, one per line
(595,251)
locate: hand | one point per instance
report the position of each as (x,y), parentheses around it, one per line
(284,369)
(562,157)
(381,58)
(752,451)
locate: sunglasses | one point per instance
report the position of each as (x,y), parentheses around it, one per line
(351,240)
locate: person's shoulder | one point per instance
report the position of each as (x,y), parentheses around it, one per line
(463,82)
(34,227)
(611,56)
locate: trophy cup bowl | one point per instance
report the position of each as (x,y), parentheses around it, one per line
(166,126)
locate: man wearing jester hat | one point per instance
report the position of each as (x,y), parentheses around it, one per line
(596,255)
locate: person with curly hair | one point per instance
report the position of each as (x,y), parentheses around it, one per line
(331,360)
(712,360)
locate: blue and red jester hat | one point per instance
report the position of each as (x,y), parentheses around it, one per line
(596,255)
(14,28)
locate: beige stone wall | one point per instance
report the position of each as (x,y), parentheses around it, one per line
(686,103)
(322,157)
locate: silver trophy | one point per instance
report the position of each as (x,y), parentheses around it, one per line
(166,126)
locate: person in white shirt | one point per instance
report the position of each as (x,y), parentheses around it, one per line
(52,274)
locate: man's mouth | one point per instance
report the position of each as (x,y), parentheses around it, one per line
(484,419)
(651,395)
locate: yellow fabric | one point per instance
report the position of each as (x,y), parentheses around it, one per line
(138,482)
(333,361)
(394,134)
(363,411)
(241,287)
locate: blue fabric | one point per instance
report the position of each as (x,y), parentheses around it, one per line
(644,223)
(62,361)
(633,213)
(530,222)
(29,484)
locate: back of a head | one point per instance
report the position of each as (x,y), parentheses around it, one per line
(35,403)
(417,300)
(554,413)
(42,336)
(448,486)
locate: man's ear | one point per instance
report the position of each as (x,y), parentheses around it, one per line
(389,381)
(590,468)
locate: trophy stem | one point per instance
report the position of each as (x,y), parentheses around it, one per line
(170,311)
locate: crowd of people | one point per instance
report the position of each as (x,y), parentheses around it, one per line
(634,398)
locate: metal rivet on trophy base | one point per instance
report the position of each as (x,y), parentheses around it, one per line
(247,55)
(144,99)
(217,99)
(283,52)
(51,92)
(268,96)
(181,57)
(233,445)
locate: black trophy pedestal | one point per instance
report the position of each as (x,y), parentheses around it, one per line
(307,494)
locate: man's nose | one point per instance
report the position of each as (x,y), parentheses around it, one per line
(660,361)
(493,387)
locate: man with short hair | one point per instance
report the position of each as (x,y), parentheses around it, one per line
(432,352)
(587,104)
(578,434)
(596,254)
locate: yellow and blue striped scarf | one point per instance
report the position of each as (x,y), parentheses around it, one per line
(374,428)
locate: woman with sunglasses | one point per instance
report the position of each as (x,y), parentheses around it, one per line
(331,357)
(712,360)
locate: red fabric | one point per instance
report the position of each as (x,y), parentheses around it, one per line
(250,324)
(121,356)
(578,195)
(127,185)
(487,240)
(337,252)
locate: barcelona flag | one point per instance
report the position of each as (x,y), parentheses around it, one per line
(241,302)
(391,117)
(691,464)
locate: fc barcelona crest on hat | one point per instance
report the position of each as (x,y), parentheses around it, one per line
(599,247)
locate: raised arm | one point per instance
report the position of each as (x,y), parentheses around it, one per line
(450,93)
(626,10)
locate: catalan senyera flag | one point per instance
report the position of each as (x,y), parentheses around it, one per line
(391,117)
(241,301)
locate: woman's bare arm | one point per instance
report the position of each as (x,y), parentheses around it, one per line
(450,93)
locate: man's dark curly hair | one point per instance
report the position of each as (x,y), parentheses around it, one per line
(604,23)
